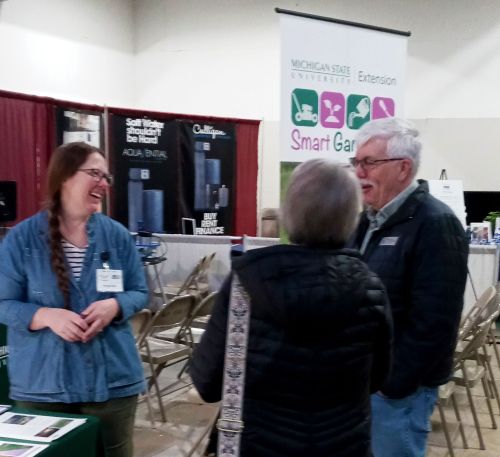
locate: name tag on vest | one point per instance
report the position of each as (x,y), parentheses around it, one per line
(389,241)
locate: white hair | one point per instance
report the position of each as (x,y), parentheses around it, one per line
(402,138)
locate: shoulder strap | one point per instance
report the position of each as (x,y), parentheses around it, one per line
(230,424)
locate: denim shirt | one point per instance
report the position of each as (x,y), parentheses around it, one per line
(44,367)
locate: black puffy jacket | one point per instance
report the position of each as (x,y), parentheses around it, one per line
(319,343)
(420,254)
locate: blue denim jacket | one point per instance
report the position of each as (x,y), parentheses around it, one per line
(44,367)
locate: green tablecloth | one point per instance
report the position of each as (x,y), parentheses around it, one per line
(84,441)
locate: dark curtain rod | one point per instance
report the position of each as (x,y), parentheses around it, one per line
(341,21)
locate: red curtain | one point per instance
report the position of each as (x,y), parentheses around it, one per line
(26,139)
(245,214)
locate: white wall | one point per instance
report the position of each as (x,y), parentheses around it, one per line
(221,57)
(79,50)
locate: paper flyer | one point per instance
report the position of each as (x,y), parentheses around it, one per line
(16,449)
(36,428)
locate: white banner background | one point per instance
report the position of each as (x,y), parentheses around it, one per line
(335,78)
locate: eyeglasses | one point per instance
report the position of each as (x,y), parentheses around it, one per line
(367,163)
(97,175)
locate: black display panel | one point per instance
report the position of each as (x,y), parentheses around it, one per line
(478,204)
(8,201)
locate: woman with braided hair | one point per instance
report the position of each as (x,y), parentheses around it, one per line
(70,278)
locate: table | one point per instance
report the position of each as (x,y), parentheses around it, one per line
(84,441)
(483,271)
(183,252)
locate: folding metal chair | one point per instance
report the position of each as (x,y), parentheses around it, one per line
(202,313)
(478,313)
(469,376)
(188,285)
(202,284)
(160,353)
(446,393)
(487,309)
(187,332)
(140,323)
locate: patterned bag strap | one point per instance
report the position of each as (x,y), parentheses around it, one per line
(230,424)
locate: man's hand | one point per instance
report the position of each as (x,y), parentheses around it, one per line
(63,322)
(98,315)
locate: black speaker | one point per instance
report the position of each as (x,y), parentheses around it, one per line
(8,201)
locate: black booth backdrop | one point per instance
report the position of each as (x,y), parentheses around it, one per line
(207,157)
(168,170)
(144,161)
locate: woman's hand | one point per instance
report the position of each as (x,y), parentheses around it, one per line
(98,315)
(63,322)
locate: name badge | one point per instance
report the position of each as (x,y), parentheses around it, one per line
(389,241)
(109,280)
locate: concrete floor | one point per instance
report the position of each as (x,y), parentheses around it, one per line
(491,436)
(189,421)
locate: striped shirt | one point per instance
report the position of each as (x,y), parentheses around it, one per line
(74,256)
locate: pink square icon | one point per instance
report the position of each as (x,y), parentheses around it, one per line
(382,107)
(332,109)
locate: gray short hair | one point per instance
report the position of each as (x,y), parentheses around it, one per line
(322,204)
(402,138)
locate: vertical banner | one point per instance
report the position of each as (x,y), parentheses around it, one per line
(79,125)
(208,157)
(144,163)
(335,78)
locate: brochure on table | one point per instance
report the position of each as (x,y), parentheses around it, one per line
(32,427)
(16,449)
(451,192)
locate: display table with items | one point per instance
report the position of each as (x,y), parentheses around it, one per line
(483,271)
(48,434)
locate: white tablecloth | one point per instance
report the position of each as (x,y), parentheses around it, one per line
(483,269)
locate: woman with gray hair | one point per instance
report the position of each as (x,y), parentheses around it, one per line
(319,338)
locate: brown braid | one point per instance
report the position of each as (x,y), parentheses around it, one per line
(56,252)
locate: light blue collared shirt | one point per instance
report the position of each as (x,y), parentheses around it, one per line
(378,218)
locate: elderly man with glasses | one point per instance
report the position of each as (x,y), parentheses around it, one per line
(418,248)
